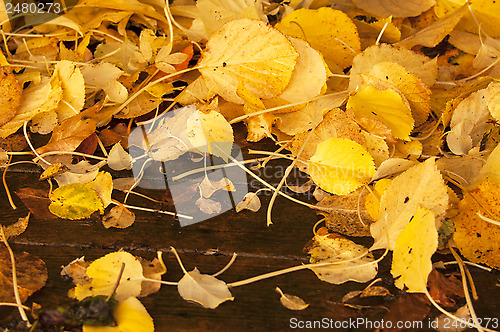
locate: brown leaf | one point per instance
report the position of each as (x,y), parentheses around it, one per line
(37,201)
(89,145)
(119,217)
(442,288)
(16,228)
(69,134)
(407,308)
(10,95)
(31,275)
(152,270)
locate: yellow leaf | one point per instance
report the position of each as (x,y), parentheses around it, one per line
(74,201)
(390,75)
(417,64)
(340,166)
(385,106)
(103,186)
(104,273)
(491,170)
(130,316)
(372,202)
(10,95)
(419,186)
(477,239)
(330,247)
(119,217)
(291,302)
(73,89)
(210,131)
(386,8)
(411,260)
(327,30)
(251,52)
(485,14)
(431,35)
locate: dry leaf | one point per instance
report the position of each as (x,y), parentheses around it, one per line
(340,166)
(291,302)
(420,185)
(119,217)
(203,289)
(386,8)
(250,202)
(10,95)
(118,158)
(250,52)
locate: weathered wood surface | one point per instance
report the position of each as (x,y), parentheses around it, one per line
(260,249)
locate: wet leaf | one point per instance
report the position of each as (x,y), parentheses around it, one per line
(74,201)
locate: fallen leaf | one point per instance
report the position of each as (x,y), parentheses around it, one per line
(443,289)
(386,8)
(118,158)
(119,217)
(10,95)
(152,270)
(340,166)
(386,106)
(291,302)
(337,40)
(16,228)
(130,316)
(104,272)
(420,185)
(73,89)
(31,275)
(415,245)
(476,238)
(208,206)
(103,186)
(77,271)
(37,201)
(74,201)
(203,289)
(408,308)
(53,170)
(250,52)
(330,247)
(250,202)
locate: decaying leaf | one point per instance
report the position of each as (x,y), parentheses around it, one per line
(291,302)
(415,245)
(340,166)
(10,95)
(203,289)
(330,247)
(16,228)
(118,158)
(476,238)
(119,217)
(31,275)
(75,201)
(250,202)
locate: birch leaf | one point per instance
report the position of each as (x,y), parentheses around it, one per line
(10,95)
(16,228)
(291,302)
(119,217)
(73,89)
(331,247)
(386,106)
(104,273)
(420,185)
(103,186)
(250,202)
(337,39)
(251,52)
(130,316)
(340,166)
(203,289)
(415,245)
(118,158)
(386,8)
(74,201)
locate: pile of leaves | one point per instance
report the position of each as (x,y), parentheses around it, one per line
(390,110)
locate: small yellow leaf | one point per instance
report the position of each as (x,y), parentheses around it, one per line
(250,202)
(387,106)
(74,201)
(103,186)
(327,30)
(340,166)
(119,217)
(130,316)
(411,262)
(251,52)
(372,202)
(53,170)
